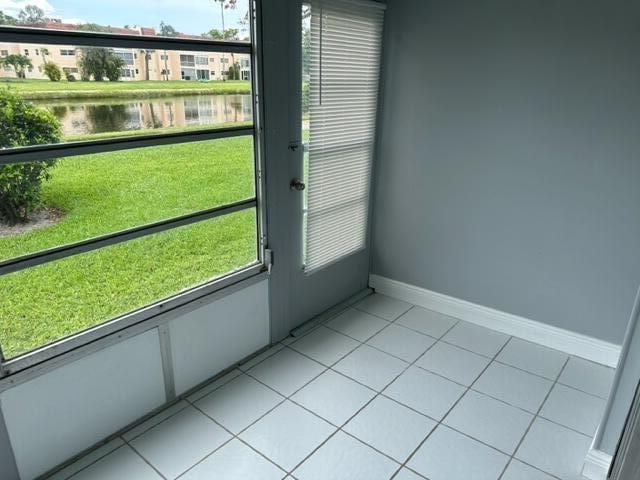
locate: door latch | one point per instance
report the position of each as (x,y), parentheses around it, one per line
(297,185)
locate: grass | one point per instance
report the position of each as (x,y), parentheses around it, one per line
(151,131)
(47,90)
(108,192)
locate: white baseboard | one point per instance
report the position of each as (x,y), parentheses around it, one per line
(569,342)
(596,465)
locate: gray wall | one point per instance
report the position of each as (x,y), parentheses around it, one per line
(509,158)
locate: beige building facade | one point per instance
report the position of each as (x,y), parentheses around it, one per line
(157,65)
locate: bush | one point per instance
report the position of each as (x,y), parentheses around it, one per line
(70,76)
(21,184)
(53,71)
(100,63)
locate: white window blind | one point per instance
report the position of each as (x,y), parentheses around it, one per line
(346,39)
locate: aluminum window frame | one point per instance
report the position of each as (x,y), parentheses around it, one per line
(118,328)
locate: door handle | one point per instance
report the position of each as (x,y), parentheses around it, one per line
(297,185)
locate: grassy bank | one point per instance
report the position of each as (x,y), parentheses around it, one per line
(47,90)
(151,131)
(108,192)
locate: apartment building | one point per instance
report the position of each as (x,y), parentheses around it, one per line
(139,64)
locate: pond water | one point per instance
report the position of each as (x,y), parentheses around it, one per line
(81,117)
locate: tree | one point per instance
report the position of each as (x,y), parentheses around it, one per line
(31,14)
(226,5)
(167,30)
(52,71)
(18,62)
(227,34)
(100,63)
(147,58)
(7,19)
(234,72)
(44,52)
(93,27)
(21,183)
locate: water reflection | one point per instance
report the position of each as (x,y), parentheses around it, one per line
(80,117)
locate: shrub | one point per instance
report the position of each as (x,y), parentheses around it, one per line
(21,184)
(70,77)
(53,71)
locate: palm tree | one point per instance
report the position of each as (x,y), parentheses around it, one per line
(224,5)
(167,30)
(147,59)
(44,52)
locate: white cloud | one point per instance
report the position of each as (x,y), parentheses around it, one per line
(13,7)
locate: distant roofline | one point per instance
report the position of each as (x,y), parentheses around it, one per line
(55,24)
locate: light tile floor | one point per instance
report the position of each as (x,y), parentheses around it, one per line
(383,390)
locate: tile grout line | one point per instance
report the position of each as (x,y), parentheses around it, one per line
(378,393)
(289,345)
(454,406)
(513,456)
(143,458)
(285,398)
(443,340)
(381,394)
(190,404)
(59,472)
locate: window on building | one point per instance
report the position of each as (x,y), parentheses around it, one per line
(188,60)
(143,202)
(202,74)
(26,52)
(4,53)
(127,57)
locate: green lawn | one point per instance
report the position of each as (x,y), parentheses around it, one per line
(109,192)
(45,89)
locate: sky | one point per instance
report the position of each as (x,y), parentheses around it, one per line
(186,16)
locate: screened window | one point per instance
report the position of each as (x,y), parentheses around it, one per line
(341,64)
(124,189)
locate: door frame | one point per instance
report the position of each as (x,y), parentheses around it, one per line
(295,297)
(626,462)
